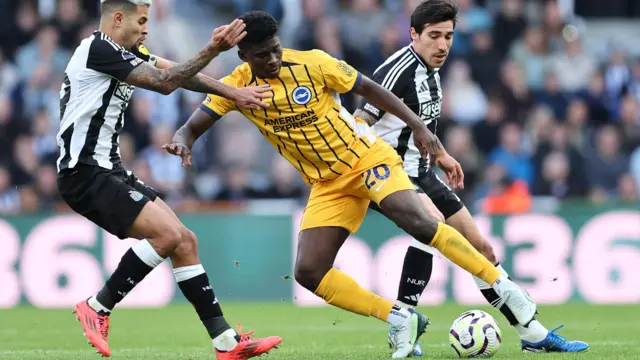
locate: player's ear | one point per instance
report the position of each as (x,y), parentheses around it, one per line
(242,55)
(118,18)
(414,34)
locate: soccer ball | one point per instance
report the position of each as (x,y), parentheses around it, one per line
(475,334)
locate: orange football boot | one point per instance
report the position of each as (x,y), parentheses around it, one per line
(249,347)
(95,326)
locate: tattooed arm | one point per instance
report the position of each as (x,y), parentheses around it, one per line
(165,81)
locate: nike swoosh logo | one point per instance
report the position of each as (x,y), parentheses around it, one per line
(381,185)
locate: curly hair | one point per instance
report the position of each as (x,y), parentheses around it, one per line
(260,26)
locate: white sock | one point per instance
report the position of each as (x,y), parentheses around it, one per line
(145,251)
(404,306)
(95,305)
(225,341)
(398,316)
(188,272)
(534,333)
(502,270)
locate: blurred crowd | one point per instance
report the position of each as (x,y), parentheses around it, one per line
(529,108)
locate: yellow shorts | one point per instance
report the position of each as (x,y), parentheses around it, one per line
(343,202)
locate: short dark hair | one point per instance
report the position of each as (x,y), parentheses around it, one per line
(433,12)
(260,26)
(110,6)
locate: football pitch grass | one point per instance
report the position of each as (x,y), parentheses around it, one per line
(308,333)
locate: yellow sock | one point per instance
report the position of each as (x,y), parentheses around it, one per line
(338,289)
(458,249)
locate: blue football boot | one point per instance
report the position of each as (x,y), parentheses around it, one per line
(554,343)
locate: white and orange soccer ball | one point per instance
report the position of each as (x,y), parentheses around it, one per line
(475,334)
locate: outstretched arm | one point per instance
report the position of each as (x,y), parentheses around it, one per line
(186,136)
(425,140)
(165,81)
(249,97)
(446,162)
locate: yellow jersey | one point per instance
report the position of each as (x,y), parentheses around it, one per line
(305,121)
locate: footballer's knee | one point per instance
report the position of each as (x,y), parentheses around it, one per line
(188,243)
(309,275)
(167,240)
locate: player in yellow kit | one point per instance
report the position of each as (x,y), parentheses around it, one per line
(345,164)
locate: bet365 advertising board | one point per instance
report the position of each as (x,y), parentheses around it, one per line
(580,253)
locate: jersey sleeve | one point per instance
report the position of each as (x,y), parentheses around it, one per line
(217,106)
(397,84)
(338,75)
(143,53)
(110,58)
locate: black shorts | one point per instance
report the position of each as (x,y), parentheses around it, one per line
(439,192)
(112,199)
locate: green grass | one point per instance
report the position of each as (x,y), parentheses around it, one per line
(309,333)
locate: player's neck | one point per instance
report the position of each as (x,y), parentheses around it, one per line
(108,30)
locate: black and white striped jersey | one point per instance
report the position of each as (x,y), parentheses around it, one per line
(93,99)
(406,75)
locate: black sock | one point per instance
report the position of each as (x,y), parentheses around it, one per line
(416,273)
(130,271)
(200,294)
(492,297)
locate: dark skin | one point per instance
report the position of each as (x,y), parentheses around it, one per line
(318,247)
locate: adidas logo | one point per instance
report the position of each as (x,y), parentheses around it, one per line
(414,298)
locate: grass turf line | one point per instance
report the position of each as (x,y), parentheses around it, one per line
(309,333)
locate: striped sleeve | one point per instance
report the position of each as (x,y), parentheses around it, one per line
(395,76)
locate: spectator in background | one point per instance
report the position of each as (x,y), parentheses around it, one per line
(577,121)
(509,25)
(483,60)
(313,13)
(9,76)
(46,187)
(538,128)
(166,169)
(25,161)
(554,25)
(605,164)
(44,138)
(531,52)
(459,144)
(69,22)
(467,102)
(630,124)
(361,28)
(8,128)
(128,152)
(485,132)
(634,84)
(552,96)
(617,75)
(596,99)
(628,189)
(26,25)
(510,155)
(236,185)
(285,182)
(9,194)
(43,50)
(573,67)
(471,19)
(513,89)
(553,178)
(559,180)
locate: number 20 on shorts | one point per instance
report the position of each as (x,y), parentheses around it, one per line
(380,172)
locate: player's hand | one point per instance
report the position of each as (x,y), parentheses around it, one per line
(181,150)
(452,168)
(227,36)
(426,142)
(251,97)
